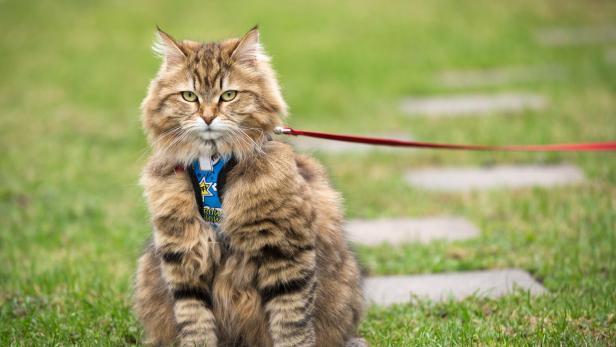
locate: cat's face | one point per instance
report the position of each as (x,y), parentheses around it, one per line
(209,98)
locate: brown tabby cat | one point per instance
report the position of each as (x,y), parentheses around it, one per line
(277,271)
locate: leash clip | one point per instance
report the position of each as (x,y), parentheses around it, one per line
(281,130)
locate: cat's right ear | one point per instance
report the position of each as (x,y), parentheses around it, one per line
(168,48)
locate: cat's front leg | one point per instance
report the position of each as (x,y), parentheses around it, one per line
(283,248)
(188,274)
(269,219)
(185,244)
(288,294)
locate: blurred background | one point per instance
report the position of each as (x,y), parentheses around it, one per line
(73,222)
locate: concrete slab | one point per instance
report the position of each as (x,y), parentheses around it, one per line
(308,144)
(468,178)
(569,36)
(406,230)
(389,290)
(499,76)
(472,104)
(610,56)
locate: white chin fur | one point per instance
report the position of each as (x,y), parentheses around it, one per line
(210,135)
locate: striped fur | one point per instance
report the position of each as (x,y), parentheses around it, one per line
(279,272)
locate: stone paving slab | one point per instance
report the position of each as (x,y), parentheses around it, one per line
(388,290)
(471,104)
(610,56)
(499,76)
(568,36)
(308,144)
(467,178)
(406,230)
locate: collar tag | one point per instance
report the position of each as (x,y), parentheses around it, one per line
(205,163)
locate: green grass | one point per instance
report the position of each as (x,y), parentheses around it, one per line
(72,220)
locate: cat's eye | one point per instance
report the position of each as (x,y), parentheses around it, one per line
(228,95)
(189,96)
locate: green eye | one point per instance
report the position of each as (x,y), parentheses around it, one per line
(228,95)
(189,96)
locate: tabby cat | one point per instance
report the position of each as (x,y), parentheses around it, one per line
(276,270)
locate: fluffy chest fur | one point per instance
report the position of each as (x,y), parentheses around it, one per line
(263,200)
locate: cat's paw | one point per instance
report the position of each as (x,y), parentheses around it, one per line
(203,256)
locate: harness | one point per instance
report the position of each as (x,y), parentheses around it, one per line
(208,177)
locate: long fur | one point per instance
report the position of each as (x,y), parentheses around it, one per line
(279,272)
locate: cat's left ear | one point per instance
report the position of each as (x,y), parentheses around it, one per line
(248,49)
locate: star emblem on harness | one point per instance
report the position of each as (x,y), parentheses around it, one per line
(205,187)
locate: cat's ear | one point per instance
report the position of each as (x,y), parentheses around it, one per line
(168,48)
(248,49)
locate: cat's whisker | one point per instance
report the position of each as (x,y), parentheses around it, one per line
(251,142)
(261,136)
(180,139)
(258,146)
(167,133)
(237,135)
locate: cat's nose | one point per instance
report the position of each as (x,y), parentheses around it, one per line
(208,119)
(208,113)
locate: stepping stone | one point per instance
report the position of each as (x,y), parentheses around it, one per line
(610,56)
(576,36)
(309,144)
(389,290)
(471,104)
(496,77)
(468,179)
(404,230)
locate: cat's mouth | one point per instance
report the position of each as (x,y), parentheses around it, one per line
(210,134)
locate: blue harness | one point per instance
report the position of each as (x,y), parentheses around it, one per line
(208,179)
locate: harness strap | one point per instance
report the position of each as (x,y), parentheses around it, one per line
(220,182)
(213,201)
(196,190)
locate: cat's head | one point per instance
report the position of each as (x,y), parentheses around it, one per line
(217,97)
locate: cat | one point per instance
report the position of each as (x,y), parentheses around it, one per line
(275,269)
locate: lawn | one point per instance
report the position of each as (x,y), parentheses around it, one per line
(73,222)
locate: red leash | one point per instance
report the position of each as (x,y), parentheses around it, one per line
(566,147)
